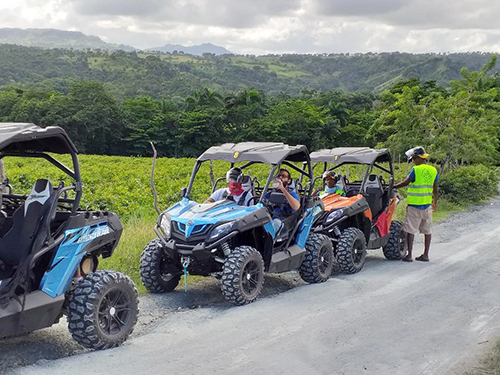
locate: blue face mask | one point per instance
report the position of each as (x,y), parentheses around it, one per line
(330,190)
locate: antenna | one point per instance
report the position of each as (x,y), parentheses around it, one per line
(155,194)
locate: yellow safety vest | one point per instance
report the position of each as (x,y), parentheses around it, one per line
(420,191)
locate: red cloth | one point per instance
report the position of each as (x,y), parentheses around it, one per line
(235,188)
(381,224)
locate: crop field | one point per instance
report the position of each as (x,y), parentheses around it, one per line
(122,185)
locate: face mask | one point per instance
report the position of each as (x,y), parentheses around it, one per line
(330,190)
(235,188)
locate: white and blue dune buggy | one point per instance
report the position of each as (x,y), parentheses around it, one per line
(49,251)
(237,243)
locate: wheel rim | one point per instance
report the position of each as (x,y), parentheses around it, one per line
(250,278)
(114,311)
(165,275)
(358,252)
(325,260)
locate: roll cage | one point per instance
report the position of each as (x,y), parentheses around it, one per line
(275,155)
(30,140)
(336,158)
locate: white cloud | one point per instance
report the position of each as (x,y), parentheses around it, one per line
(280,26)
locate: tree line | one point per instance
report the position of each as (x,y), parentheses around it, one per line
(130,74)
(459,124)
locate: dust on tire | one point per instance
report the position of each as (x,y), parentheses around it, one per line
(317,265)
(396,247)
(152,263)
(351,250)
(86,315)
(232,283)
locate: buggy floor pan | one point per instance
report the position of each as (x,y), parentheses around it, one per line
(40,311)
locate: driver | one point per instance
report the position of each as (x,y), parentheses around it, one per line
(238,188)
(331,179)
(282,184)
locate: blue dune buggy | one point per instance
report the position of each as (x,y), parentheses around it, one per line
(49,251)
(238,243)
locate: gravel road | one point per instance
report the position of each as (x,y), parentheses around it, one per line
(391,318)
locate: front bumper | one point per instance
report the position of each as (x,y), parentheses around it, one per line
(200,251)
(330,229)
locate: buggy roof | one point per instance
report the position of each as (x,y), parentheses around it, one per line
(353,155)
(263,152)
(26,138)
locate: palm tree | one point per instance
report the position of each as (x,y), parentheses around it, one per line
(206,97)
(338,110)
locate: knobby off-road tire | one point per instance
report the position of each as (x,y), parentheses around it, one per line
(318,263)
(103,310)
(155,269)
(243,275)
(351,250)
(396,248)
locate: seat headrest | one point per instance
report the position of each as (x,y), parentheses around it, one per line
(246,183)
(39,194)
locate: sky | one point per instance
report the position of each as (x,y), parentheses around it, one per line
(273,26)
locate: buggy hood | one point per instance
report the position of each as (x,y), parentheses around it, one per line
(191,213)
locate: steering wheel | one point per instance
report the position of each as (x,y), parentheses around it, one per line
(382,181)
(256,198)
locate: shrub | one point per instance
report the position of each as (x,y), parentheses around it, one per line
(470,184)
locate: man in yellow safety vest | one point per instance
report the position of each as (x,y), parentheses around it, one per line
(422,199)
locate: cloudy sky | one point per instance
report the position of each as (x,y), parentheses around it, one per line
(273,26)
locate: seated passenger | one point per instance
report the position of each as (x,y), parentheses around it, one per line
(331,179)
(236,190)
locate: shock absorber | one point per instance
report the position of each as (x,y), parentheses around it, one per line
(225,248)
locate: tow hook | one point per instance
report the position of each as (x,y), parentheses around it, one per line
(185,264)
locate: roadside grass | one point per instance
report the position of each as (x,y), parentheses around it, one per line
(490,365)
(444,210)
(137,232)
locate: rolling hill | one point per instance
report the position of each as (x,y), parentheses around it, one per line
(52,38)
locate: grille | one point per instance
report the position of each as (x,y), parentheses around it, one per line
(198,231)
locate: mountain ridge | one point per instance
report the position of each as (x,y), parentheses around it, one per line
(197,50)
(56,38)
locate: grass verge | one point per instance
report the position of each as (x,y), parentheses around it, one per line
(490,365)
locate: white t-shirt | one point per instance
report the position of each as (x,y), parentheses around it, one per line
(218,195)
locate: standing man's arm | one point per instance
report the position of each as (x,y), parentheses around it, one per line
(404,183)
(435,195)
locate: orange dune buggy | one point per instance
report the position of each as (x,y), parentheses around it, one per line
(362,219)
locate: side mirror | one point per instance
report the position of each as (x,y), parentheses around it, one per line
(183,192)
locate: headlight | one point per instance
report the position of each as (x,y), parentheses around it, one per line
(221,230)
(334,215)
(165,225)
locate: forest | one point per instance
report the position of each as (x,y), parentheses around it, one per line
(459,123)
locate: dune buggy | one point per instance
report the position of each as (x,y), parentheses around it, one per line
(363,218)
(238,243)
(49,251)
